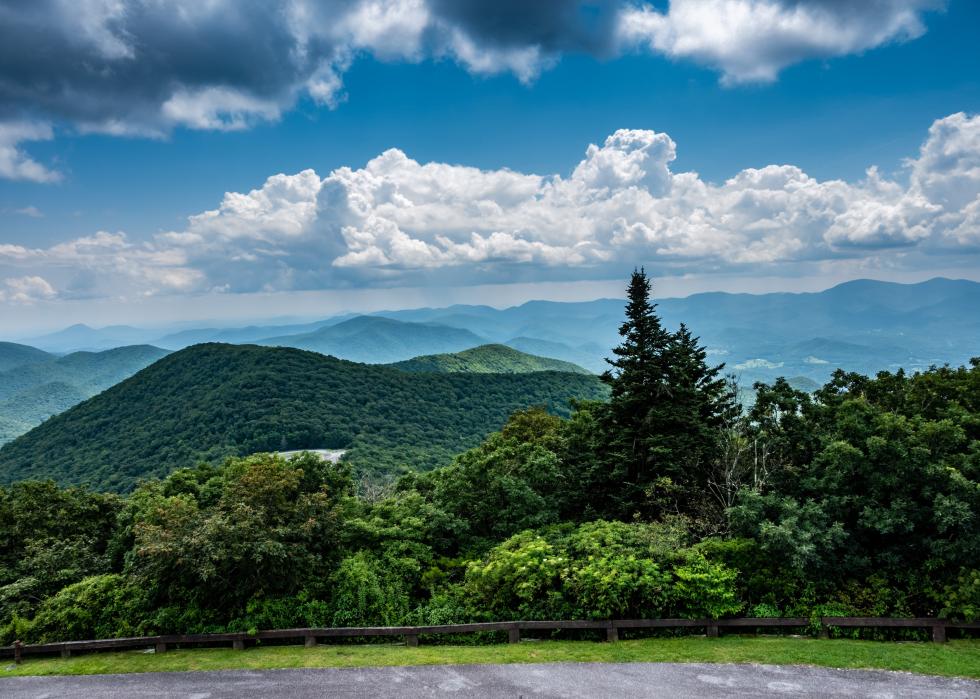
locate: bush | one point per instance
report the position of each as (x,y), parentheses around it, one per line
(364,595)
(298,611)
(705,589)
(101,606)
(520,578)
(962,599)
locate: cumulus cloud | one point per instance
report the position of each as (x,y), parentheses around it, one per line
(144,67)
(396,221)
(26,290)
(15,164)
(752,40)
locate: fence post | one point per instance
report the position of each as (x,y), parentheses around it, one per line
(939,632)
(411,640)
(514,634)
(17,652)
(612,633)
(65,653)
(238,645)
(711,630)
(824,629)
(309,641)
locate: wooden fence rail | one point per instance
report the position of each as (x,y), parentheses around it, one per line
(411,634)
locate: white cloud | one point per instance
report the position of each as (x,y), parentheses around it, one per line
(26,290)
(143,67)
(218,109)
(752,40)
(14,163)
(399,221)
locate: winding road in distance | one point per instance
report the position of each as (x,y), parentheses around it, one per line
(571,680)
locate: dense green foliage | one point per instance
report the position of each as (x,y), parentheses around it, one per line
(861,498)
(487,359)
(209,402)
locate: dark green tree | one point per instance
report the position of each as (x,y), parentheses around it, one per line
(702,403)
(638,380)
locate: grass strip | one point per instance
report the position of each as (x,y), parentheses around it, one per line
(959,658)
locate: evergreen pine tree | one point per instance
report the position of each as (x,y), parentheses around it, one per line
(666,408)
(638,380)
(702,403)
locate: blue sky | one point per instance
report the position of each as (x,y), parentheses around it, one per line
(469,89)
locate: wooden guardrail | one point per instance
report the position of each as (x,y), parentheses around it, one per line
(411,634)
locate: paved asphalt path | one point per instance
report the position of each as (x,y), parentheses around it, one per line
(678,681)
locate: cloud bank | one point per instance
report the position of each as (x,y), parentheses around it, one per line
(397,221)
(145,67)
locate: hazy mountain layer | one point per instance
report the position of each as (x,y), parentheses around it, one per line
(861,326)
(33,392)
(380,340)
(13,355)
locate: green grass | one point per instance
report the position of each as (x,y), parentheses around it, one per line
(956,658)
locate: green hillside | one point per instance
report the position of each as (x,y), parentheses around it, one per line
(211,401)
(90,372)
(35,405)
(47,385)
(487,359)
(13,355)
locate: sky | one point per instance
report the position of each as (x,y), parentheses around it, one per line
(166,160)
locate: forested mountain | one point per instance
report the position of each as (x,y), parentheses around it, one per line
(33,392)
(14,355)
(29,408)
(380,340)
(211,401)
(487,359)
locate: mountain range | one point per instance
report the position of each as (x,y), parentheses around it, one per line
(211,401)
(862,325)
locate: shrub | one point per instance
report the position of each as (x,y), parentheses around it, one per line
(100,606)
(705,589)
(364,595)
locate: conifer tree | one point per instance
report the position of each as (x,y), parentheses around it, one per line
(638,379)
(702,402)
(666,409)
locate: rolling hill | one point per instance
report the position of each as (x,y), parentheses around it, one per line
(33,392)
(377,340)
(487,359)
(13,355)
(211,401)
